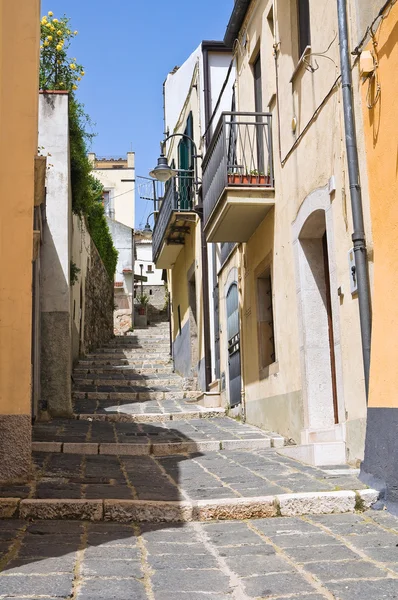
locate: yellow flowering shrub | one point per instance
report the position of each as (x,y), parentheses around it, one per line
(57,70)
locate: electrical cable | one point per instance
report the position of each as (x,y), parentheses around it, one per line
(389,4)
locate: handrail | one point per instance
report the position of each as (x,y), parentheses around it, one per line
(240,154)
(219,126)
(178,197)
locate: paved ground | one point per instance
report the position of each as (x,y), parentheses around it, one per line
(224,474)
(64,430)
(346,557)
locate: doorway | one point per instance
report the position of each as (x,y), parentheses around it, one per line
(258,107)
(233,335)
(318,344)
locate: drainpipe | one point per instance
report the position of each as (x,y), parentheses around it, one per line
(358,235)
(205,295)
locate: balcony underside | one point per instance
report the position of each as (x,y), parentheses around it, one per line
(174,239)
(238,213)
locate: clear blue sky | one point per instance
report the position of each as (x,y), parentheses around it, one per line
(127,48)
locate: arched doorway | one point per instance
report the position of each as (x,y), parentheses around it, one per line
(318,344)
(233,335)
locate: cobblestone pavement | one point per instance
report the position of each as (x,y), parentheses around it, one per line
(225,474)
(223,428)
(346,557)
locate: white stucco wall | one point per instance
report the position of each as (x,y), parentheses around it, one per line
(218,66)
(54,142)
(177,88)
(144,257)
(122,237)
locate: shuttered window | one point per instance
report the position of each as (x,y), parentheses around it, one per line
(304,31)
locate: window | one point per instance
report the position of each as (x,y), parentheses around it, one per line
(149,269)
(303,10)
(265,320)
(179,318)
(108,204)
(105,199)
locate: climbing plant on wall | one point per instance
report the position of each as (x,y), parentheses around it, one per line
(58,71)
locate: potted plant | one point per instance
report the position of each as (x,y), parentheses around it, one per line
(252,178)
(143,300)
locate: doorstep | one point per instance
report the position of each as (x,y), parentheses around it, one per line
(127,511)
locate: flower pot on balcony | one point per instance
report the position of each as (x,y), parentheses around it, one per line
(236,179)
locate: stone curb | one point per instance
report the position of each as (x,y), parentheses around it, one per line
(9,508)
(151,448)
(316,503)
(125,511)
(49,509)
(152,417)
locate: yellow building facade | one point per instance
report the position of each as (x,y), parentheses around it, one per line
(282,219)
(19,47)
(380,111)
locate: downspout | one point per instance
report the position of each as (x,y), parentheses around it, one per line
(205,293)
(206,93)
(205,257)
(358,235)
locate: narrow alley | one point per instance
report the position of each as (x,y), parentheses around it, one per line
(198,300)
(145,494)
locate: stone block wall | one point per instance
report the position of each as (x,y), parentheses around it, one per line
(99,299)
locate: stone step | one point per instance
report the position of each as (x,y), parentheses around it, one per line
(155,448)
(132,360)
(116,382)
(139,355)
(133,379)
(184,511)
(127,371)
(132,396)
(120,417)
(165,368)
(156,347)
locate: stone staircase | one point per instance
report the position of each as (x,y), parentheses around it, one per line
(138,449)
(132,379)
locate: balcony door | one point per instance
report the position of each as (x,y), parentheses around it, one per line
(234,363)
(185,165)
(258,107)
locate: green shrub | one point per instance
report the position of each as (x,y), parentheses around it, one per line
(99,231)
(59,72)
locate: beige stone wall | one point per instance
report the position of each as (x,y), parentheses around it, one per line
(304,161)
(189,261)
(19,55)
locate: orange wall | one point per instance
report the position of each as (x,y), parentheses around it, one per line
(19,56)
(381,133)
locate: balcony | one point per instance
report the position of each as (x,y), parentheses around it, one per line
(238,177)
(174,220)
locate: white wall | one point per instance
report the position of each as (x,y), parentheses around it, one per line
(144,257)
(177,87)
(54,141)
(218,66)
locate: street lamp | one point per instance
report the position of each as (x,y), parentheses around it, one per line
(147,231)
(163,172)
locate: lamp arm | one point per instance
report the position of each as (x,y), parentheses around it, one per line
(150,215)
(195,156)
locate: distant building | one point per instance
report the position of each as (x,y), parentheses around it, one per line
(154,286)
(117,175)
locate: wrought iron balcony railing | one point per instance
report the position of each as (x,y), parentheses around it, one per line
(239,155)
(178,198)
